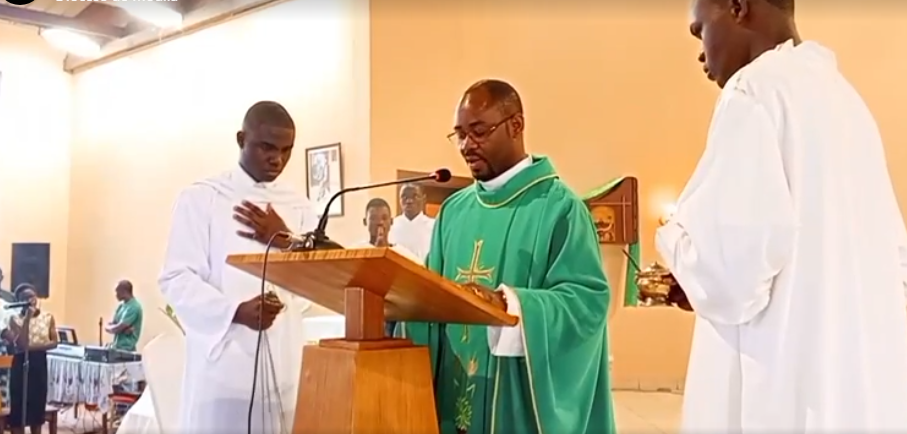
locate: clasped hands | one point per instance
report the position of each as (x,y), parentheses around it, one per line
(494,297)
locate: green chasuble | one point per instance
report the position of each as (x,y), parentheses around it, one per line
(537,237)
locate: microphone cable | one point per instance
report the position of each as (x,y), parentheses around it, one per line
(262,337)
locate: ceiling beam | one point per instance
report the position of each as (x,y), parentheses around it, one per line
(209,15)
(44,19)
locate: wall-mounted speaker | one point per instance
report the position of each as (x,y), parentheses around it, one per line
(31,264)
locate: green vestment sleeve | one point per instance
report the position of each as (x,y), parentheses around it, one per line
(564,331)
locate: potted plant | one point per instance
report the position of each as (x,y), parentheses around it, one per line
(168,310)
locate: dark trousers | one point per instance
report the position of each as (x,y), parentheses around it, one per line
(34,405)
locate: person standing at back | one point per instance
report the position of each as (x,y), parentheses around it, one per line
(412,229)
(378,222)
(787,241)
(32,332)
(126,326)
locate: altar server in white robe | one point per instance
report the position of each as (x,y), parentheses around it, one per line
(378,222)
(788,241)
(218,305)
(412,229)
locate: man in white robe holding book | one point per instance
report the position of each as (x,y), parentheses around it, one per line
(220,307)
(788,242)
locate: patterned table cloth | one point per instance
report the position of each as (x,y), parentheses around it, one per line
(74,381)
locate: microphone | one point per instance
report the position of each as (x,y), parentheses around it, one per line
(17,304)
(318,239)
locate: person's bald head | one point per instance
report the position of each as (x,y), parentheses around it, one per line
(736,32)
(266,140)
(488,128)
(123,290)
(495,93)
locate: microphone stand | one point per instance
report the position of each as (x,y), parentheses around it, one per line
(26,326)
(318,239)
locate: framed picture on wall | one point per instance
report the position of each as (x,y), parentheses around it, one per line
(324,167)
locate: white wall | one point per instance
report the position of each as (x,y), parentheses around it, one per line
(149,125)
(35,134)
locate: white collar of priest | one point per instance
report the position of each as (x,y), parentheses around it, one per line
(245,179)
(509,174)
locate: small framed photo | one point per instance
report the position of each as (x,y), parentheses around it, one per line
(324,165)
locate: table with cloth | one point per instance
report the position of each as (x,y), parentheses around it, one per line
(142,419)
(74,381)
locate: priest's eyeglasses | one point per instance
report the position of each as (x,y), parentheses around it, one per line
(479,135)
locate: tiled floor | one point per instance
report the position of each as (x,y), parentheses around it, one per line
(637,413)
(647,413)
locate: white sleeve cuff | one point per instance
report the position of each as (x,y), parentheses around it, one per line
(508,341)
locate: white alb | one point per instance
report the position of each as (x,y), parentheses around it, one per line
(205,292)
(790,245)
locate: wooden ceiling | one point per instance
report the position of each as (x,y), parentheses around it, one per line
(118,32)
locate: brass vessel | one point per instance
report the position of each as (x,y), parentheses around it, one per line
(654,283)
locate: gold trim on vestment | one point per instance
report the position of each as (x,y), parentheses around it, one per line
(494,396)
(535,406)
(514,195)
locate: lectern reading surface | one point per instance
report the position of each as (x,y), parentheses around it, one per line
(367,383)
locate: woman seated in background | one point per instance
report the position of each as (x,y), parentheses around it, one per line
(31,333)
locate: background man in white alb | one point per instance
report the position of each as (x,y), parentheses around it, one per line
(378,222)
(219,306)
(413,228)
(788,241)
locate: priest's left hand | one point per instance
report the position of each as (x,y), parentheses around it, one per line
(263,224)
(494,297)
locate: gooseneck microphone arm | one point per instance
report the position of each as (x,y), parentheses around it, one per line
(318,239)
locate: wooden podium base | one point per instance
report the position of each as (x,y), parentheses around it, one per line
(365,387)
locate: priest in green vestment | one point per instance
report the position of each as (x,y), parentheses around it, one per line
(521,238)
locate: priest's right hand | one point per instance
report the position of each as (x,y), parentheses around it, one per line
(258,313)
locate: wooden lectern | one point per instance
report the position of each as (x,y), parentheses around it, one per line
(365,382)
